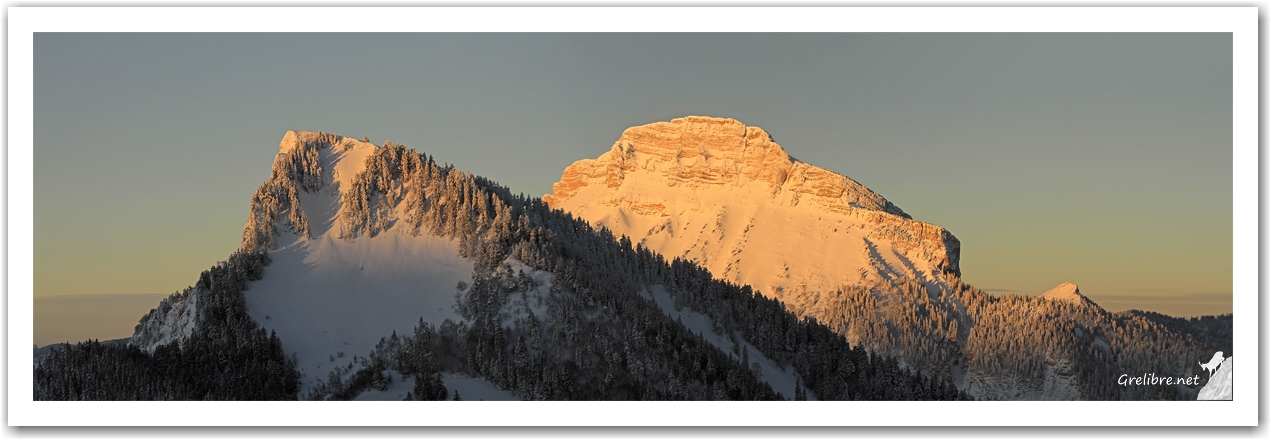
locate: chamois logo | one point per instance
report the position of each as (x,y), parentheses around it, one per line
(1212,364)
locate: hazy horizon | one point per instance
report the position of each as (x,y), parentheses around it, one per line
(1098,159)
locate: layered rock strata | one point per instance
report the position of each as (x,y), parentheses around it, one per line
(727,196)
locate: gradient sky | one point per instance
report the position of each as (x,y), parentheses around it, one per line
(1098,159)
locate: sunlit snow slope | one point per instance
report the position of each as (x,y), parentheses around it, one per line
(726,196)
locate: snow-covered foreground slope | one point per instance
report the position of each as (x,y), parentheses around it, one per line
(328,297)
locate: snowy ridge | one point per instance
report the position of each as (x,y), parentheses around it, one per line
(307,164)
(1067,292)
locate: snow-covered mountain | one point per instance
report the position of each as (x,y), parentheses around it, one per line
(365,243)
(726,196)
(326,294)
(329,296)
(370,271)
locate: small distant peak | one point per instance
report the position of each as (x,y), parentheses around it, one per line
(1066,287)
(1066,291)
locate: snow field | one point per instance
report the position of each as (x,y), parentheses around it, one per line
(328,296)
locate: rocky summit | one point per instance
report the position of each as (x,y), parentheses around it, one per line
(725,195)
(697,152)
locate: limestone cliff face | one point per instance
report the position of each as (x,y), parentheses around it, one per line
(725,195)
(698,152)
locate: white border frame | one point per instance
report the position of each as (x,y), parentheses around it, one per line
(1240,21)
